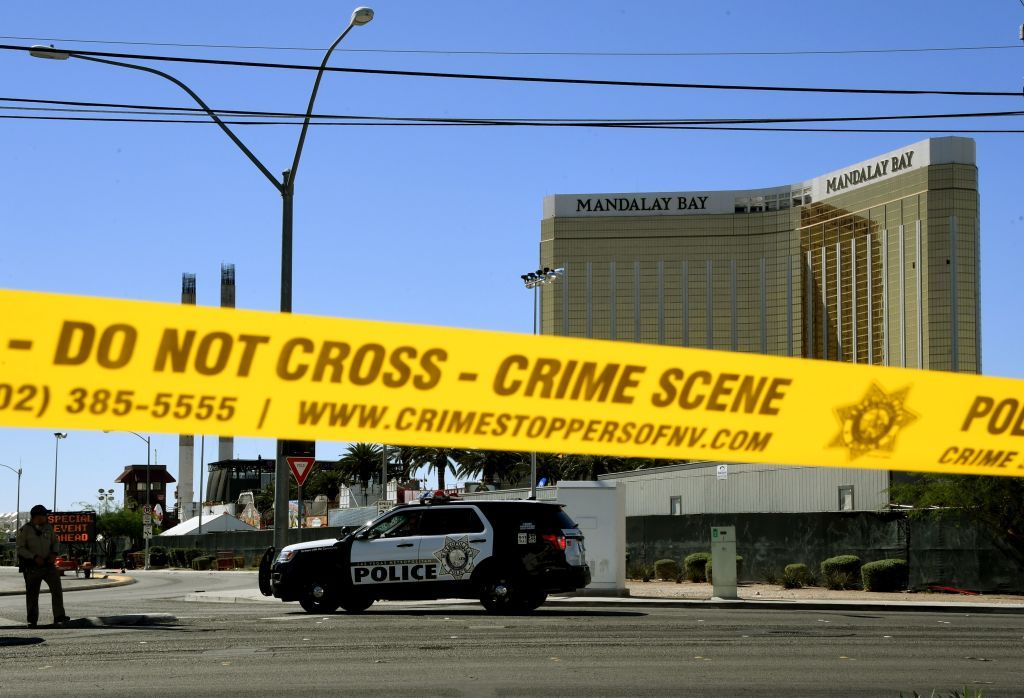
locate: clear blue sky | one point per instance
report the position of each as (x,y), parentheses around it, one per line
(434,225)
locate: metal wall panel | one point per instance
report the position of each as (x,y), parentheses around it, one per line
(750,488)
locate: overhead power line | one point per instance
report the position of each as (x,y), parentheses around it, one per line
(55,105)
(471,124)
(458,52)
(532,79)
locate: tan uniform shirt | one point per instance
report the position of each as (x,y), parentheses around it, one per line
(33,542)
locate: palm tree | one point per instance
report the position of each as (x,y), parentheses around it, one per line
(402,461)
(327,482)
(440,459)
(360,462)
(492,467)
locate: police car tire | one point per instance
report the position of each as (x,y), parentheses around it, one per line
(356,603)
(534,600)
(325,604)
(504,594)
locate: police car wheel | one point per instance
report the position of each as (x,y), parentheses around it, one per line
(533,600)
(356,603)
(502,593)
(318,598)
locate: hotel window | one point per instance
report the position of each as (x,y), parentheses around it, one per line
(846,498)
(675,505)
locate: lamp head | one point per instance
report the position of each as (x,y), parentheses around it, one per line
(361,16)
(40,51)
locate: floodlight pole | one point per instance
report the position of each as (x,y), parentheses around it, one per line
(535,280)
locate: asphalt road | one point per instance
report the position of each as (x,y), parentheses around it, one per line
(459,650)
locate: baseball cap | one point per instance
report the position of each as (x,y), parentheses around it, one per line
(38,509)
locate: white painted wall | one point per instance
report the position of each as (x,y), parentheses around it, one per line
(749,488)
(599,508)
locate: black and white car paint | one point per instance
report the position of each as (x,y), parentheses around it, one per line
(508,554)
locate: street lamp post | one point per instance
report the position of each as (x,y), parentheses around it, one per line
(17,506)
(56,453)
(149,491)
(285,187)
(383,472)
(534,280)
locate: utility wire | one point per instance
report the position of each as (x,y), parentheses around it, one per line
(531,79)
(452,52)
(149,109)
(512,124)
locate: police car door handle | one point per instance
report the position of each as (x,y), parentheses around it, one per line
(478,540)
(405,545)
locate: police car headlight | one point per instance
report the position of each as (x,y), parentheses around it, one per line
(287,555)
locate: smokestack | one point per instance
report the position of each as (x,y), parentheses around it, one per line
(186,444)
(226,444)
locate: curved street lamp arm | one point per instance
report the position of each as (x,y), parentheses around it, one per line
(290,181)
(200,102)
(16,472)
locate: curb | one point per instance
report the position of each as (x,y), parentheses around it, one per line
(114,581)
(635,602)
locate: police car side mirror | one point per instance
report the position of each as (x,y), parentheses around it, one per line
(362,536)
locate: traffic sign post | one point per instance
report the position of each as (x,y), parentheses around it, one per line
(301,467)
(147,531)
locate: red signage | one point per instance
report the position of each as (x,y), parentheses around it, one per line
(301,467)
(73,526)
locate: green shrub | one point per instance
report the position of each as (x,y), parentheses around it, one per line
(796,576)
(666,570)
(191,554)
(739,569)
(157,556)
(885,575)
(693,566)
(202,563)
(841,572)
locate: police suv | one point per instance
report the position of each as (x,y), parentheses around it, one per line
(508,554)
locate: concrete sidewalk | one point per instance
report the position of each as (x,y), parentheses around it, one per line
(254,596)
(12,583)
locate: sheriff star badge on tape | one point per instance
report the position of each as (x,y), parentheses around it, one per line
(873,423)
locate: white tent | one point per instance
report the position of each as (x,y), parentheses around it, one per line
(211,524)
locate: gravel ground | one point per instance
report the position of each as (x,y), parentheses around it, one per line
(691,590)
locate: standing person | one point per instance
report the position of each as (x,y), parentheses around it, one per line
(37,553)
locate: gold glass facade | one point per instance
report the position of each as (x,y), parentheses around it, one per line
(876,264)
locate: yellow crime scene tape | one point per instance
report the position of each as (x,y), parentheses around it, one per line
(92,363)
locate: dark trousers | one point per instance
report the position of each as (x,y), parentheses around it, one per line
(34,578)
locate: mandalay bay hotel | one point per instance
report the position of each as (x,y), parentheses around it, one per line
(875,263)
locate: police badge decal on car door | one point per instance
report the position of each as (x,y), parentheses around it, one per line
(456,557)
